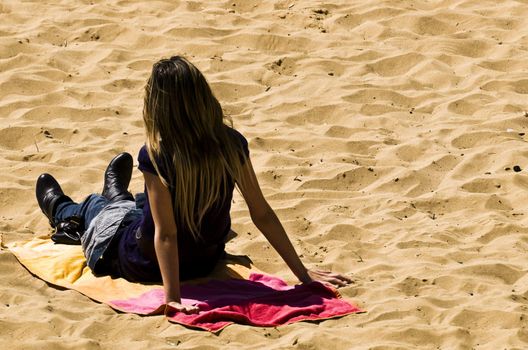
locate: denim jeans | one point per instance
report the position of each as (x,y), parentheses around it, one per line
(87,210)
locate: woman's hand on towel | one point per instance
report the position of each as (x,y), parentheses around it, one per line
(186,309)
(329,277)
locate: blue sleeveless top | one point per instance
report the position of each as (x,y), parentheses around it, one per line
(135,247)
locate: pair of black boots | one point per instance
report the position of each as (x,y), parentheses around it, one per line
(49,195)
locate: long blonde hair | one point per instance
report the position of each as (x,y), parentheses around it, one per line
(187,135)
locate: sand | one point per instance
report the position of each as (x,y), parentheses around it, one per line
(383,133)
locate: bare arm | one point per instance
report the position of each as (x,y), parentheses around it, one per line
(267,222)
(165,241)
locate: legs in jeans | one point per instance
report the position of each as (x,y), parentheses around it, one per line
(72,219)
(87,210)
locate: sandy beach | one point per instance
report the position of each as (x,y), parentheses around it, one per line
(389,136)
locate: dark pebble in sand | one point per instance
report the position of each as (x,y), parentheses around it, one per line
(517,168)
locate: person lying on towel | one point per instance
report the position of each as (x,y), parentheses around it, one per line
(191,162)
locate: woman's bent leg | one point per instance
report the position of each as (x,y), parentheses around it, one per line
(86,210)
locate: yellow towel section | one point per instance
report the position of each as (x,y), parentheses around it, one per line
(65,266)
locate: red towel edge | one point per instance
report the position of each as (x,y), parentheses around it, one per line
(197,327)
(314,318)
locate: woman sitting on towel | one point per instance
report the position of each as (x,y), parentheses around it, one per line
(191,162)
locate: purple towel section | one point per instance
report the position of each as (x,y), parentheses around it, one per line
(262,300)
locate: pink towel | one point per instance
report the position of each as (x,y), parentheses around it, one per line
(260,301)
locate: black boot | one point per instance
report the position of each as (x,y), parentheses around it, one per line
(49,196)
(69,231)
(117,177)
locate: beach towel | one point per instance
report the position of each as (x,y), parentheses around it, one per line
(235,292)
